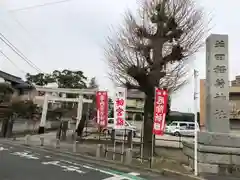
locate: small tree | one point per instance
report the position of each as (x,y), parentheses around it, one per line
(152,49)
(25,109)
(6,92)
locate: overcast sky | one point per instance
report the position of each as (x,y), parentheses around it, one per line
(71,35)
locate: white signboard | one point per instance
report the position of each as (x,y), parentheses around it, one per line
(120,107)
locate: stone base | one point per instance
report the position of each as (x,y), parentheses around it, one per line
(218,153)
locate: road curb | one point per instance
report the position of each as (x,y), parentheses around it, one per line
(108,163)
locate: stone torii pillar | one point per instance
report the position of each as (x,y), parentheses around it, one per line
(44,115)
(79,110)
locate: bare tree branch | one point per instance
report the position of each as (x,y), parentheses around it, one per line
(165,34)
(153,49)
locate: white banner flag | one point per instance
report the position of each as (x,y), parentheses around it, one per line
(120,107)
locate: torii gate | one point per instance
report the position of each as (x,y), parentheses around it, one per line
(48,98)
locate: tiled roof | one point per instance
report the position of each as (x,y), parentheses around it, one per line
(19,83)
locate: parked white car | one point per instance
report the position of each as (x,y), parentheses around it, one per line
(128,127)
(181,128)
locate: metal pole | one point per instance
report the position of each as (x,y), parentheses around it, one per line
(98,123)
(114,146)
(151,163)
(196,124)
(87,119)
(142,128)
(123,142)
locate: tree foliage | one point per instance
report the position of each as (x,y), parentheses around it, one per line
(64,79)
(6,92)
(93,83)
(39,79)
(70,79)
(24,109)
(92,107)
(152,49)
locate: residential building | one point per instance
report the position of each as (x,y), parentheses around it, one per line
(135,105)
(135,108)
(234,103)
(22,90)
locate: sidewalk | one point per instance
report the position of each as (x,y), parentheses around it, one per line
(50,142)
(162,141)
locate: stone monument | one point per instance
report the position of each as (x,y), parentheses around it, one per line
(217,86)
(218,150)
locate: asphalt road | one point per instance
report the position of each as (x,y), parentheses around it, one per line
(21,163)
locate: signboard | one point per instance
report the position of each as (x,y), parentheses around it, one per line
(102,108)
(120,107)
(160,109)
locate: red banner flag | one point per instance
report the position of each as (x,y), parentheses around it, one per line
(102,108)
(160,109)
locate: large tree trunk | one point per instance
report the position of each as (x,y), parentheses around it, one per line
(148,123)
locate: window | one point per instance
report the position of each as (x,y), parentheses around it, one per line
(173,124)
(183,125)
(129,116)
(110,121)
(138,117)
(191,126)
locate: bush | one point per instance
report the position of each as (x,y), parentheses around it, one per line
(24,109)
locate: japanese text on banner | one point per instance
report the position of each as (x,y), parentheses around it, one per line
(102,108)
(160,108)
(119,108)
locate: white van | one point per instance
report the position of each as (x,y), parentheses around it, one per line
(181,128)
(128,127)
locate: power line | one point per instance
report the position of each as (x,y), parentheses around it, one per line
(39,6)
(22,71)
(25,29)
(19,53)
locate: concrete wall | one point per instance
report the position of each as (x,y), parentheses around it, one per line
(21,126)
(172,153)
(218,153)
